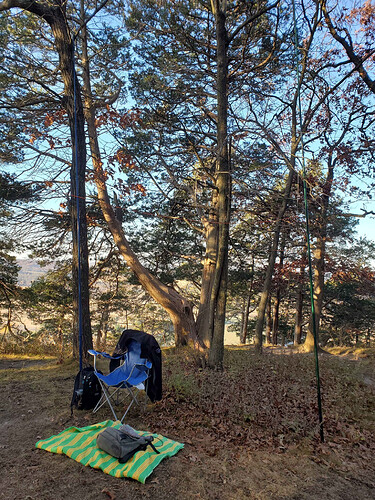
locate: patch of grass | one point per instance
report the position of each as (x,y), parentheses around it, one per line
(183,384)
(34,369)
(355,352)
(180,372)
(26,357)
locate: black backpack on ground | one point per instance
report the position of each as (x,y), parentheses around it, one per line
(87,390)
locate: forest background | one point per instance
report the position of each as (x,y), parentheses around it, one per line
(155,157)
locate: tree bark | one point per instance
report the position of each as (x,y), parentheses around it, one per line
(61,339)
(318,286)
(299,299)
(291,162)
(271,263)
(276,307)
(223,184)
(245,322)
(80,267)
(208,275)
(103,327)
(268,319)
(319,259)
(275,316)
(245,319)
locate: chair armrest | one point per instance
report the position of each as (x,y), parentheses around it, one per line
(102,354)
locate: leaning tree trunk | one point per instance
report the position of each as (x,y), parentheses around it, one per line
(178,307)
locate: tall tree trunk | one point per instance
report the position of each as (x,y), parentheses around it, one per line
(60,334)
(245,322)
(276,307)
(245,319)
(295,140)
(319,259)
(223,184)
(8,326)
(80,266)
(271,263)
(268,319)
(318,286)
(103,327)
(208,274)
(275,316)
(178,307)
(299,299)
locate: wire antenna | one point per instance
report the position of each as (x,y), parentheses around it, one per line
(314,325)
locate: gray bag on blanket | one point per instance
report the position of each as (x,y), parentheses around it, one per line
(123,443)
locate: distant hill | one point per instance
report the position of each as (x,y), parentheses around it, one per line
(30,271)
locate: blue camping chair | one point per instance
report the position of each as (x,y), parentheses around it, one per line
(131,376)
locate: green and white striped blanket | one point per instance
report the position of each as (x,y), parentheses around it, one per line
(80,445)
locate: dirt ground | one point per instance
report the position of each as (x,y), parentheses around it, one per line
(36,404)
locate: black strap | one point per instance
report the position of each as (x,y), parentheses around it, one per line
(150,439)
(153,447)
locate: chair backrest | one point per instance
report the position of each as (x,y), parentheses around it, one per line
(134,351)
(138,373)
(133,357)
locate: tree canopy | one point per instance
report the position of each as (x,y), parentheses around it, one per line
(169,136)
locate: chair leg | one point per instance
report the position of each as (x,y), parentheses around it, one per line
(127,409)
(106,398)
(99,404)
(112,398)
(133,395)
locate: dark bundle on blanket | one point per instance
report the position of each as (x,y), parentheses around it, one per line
(123,443)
